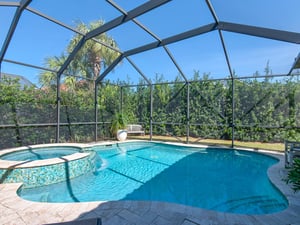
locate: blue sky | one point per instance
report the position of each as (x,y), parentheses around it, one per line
(36,38)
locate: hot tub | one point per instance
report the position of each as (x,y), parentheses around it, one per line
(45,164)
(42,153)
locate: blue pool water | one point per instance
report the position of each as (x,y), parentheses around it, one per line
(39,153)
(224,180)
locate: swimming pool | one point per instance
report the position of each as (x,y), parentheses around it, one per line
(39,153)
(224,180)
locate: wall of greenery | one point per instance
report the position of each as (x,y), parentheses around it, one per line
(264,109)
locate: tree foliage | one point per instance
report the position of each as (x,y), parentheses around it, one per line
(264,110)
(96,54)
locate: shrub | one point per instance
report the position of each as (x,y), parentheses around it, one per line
(294,175)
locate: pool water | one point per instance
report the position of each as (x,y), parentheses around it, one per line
(39,153)
(224,180)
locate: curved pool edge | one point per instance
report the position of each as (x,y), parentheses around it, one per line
(124,212)
(277,173)
(137,211)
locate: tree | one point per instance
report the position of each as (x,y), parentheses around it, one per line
(11,96)
(93,55)
(88,62)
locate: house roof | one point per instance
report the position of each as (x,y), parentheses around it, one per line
(22,80)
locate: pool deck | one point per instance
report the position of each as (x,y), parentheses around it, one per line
(15,210)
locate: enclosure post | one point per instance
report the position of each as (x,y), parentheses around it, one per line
(121,99)
(188,113)
(57,107)
(96,111)
(151,111)
(232,113)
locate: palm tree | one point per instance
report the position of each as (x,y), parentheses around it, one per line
(88,62)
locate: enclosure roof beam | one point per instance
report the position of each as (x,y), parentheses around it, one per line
(280,35)
(268,33)
(9,4)
(134,20)
(226,53)
(71,56)
(154,36)
(29,65)
(148,6)
(23,4)
(110,25)
(175,63)
(170,40)
(109,68)
(138,70)
(36,12)
(142,27)
(42,68)
(212,11)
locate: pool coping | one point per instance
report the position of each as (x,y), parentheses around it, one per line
(8,164)
(15,210)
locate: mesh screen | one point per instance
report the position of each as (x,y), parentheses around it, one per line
(263,110)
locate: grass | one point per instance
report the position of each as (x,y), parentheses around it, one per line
(279,147)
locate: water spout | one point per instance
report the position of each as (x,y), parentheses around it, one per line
(99,164)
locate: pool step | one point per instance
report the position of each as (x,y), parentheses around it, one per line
(263,204)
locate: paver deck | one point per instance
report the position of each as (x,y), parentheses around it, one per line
(15,210)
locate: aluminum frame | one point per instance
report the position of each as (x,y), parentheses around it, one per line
(220,26)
